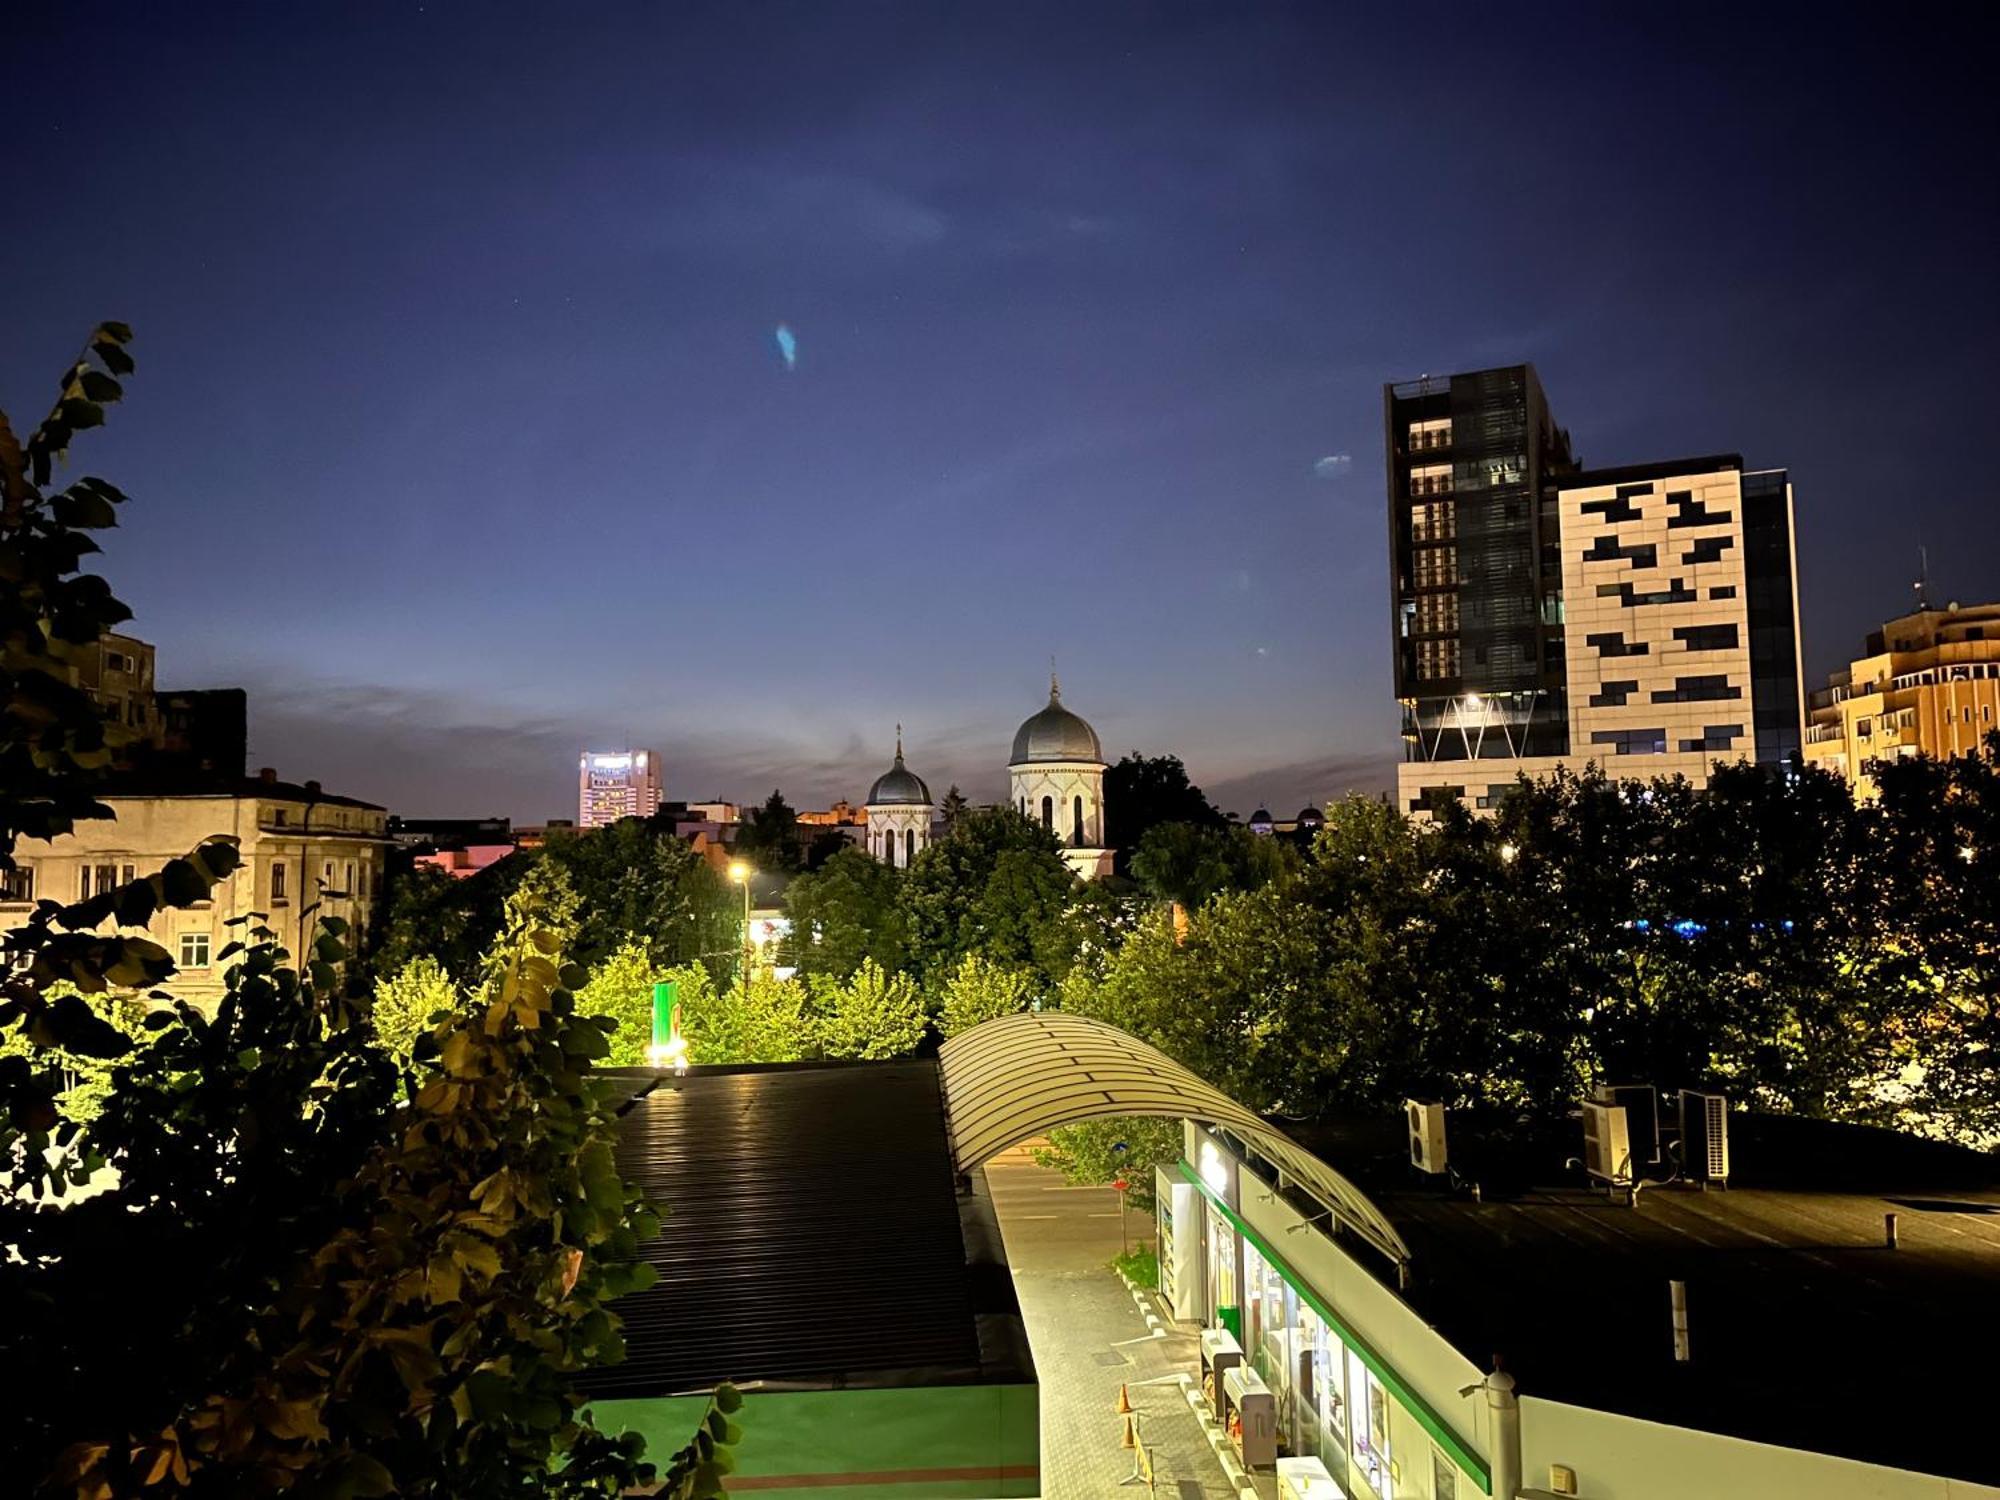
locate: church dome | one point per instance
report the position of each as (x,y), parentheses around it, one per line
(1055,734)
(899,786)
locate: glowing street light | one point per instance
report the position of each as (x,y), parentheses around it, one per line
(1507,853)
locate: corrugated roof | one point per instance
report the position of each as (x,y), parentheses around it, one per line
(814,1235)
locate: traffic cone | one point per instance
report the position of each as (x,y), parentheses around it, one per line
(1124,1402)
(1131,1435)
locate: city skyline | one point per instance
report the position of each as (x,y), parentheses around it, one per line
(853,366)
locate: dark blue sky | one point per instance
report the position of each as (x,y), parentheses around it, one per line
(462,439)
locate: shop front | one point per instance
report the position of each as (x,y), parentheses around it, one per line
(1336,1397)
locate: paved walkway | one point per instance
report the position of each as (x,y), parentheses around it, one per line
(1089,1338)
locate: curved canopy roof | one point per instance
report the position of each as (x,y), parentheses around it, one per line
(1013,1078)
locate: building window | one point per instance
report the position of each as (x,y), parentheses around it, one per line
(1049,813)
(194,950)
(1437,567)
(1437,614)
(1711,688)
(278,880)
(1608,548)
(326,882)
(17,884)
(277,817)
(1612,694)
(99,879)
(1714,737)
(1689,511)
(1707,637)
(1708,549)
(1723,591)
(1613,511)
(1613,643)
(909,846)
(1437,659)
(1076,822)
(1632,741)
(349,887)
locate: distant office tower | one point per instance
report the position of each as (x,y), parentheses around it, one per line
(1547,615)
(616,784)
(1929,684)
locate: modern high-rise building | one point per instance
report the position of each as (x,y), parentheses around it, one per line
(1929,684)
(616,784)
(1548,615)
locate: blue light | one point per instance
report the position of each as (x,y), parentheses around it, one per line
(788,346)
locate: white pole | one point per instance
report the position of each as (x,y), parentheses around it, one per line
(1505,1414)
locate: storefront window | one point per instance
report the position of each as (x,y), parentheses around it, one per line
(1371,1428)
(1222,1290)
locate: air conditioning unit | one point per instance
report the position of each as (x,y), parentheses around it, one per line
(1641,1102)
(1426,1134)
(1607,1148)
(1704,1136)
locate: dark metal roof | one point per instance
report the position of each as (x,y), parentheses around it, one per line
(816,1236)
(1806,1330)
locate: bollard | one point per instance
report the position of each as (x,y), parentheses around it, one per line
(1889,1230)
(1679,1293)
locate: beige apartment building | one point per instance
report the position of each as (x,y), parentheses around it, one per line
(1928,685)
(300,846)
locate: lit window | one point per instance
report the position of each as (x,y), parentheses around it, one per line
(194,950)
(17,884)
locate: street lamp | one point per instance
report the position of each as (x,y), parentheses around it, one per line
(740,872)
(1507,853)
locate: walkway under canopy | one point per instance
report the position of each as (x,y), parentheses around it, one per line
(1017,1077)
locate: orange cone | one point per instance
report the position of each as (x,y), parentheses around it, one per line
(1131,1435)
(1124,1402)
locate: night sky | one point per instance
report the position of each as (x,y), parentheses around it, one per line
(463,435)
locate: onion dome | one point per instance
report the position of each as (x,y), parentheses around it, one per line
(1055,734)
(899,786)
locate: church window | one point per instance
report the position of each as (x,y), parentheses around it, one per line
(909,846)
(1048,812)
(1076,832)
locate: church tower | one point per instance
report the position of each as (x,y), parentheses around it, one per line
(899,813)
(1057,778)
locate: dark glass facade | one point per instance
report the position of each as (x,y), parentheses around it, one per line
(1773,614)
(1476,579)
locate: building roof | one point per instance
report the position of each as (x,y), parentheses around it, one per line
(899,786)
(176,782)
(1055,734)
(816,1236)
(1666,468)
(1805,1330)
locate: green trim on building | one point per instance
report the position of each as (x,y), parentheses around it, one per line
(1409,1400)
(897,1443)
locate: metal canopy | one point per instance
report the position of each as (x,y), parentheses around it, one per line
(1016,1077)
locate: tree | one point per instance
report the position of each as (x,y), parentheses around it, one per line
(996,885)
(953,807)
(870,1014)
(981,990)
(1189,862)
(620,990)
(769,836)
(332,1285)
(765,1021)
(1143,791)
(86,1079)
(844,913)
(1102,1151)
(408,1004)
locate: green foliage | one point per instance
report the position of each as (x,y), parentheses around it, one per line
(1188,862)
(86,1079)
(869,1015)
(624,883)
(844,913)
(407,1004)
(288,1280)
(1140,1266)
(1101,1151)
(767,1020)
(995,885)
(621,990)
(1142,792)
(981,990)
